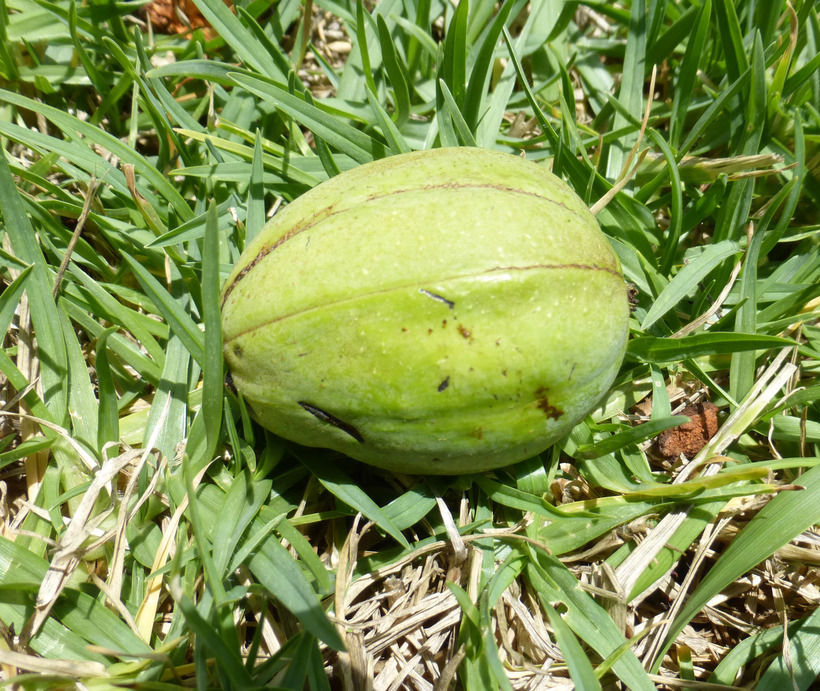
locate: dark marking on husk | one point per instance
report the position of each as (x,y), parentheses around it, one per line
(465,332)
(549,410)
(332,420)
(583,267)
(444,384)
(438,297)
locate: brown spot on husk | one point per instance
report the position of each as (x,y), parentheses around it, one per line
(550,411)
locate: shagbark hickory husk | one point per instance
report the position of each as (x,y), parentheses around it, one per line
(439,312)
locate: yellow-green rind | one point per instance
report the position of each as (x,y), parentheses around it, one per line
(442,312)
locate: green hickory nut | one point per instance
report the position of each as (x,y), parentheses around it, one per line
(438,312)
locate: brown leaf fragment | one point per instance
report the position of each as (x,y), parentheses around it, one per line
(688,439)
(176,16)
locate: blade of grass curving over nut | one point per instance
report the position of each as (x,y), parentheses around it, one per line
(633,435)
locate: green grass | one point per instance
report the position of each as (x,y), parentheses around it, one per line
(188,546)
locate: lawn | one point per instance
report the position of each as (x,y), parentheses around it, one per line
(154,536)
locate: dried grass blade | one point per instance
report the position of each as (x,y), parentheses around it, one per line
(66,558)
(69,668)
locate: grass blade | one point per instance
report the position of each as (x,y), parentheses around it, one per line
(395,73)
(787,515)
(278,572)
(457,118)
(356,144)
(687,74)
(661,350)
(688,279)
(239,38)
(580,668)
(212,363)
(179,320)
(50,343)
(338,483)
(630,94)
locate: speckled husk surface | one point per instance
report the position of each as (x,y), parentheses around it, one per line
(438,312)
